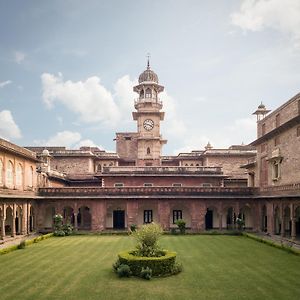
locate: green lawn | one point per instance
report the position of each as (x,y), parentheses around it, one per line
(215,267)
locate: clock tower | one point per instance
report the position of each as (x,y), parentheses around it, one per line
(148,115)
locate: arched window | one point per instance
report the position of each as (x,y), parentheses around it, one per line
(1,172)
(30,177)
(10,174)
(19,176)
(148,150)
(148,93)
(142,94)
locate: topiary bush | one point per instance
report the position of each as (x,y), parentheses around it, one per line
(147,240)
(22,245)
(160,266)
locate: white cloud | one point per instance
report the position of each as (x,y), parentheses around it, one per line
(256,15)
(4,83)
(173,125)
(124,96)
(19,56)
(65,138)
(87,143)
(69,139)
(8,128)
(89,99)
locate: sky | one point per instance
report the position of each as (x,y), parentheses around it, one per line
(67,68)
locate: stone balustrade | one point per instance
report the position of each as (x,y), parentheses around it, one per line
(147,191)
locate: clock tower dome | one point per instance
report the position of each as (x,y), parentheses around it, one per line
(148,115)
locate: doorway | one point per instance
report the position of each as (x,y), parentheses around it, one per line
(119,219)
(209,219)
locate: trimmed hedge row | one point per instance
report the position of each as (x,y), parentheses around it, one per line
(270,243)
(160,266)
(27,243)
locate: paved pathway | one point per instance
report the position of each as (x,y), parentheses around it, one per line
(10,241)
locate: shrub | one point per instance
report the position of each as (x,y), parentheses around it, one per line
(22,245)
(67,228)
(177,268)
(147,240)
(59,233)
(146,273)
(124,271)
(160,266)
(241,223)
(181,225)
(133,227)
(116,265)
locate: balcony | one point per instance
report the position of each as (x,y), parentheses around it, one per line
(136,192)
(281,190)
(162,170)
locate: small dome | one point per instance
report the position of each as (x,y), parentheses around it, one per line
(261,106)
(148,75)
(45,152)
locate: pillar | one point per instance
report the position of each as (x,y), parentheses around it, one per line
(293,229)
(220,221)
(2,220)
(24,220)
(282,229)
(13,229)
(75,222)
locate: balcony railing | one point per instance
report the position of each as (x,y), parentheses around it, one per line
(148,191)
(162,170)
(288,189)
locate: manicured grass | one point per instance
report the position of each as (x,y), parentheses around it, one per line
(215,267)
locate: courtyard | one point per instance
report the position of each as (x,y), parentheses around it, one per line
(215,267)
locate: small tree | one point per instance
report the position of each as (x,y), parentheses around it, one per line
(147,240)
(241,223)
(181,225)
(59,228)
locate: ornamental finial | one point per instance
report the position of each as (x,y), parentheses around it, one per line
(148,61)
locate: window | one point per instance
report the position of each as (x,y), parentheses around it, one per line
(148,151)
(10,174)
(19,176)
(142,94)
(148,216)
(148,93)
(99,168)
(276,141)
(30,177)
(119,184)
(148,184)
(148,164)
(277,120)
(177,214)
(276,170)
(127,138)
(206,184)
(1,172)
(298,131)
(177,184)
(263,129)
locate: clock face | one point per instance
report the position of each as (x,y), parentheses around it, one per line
(148,124)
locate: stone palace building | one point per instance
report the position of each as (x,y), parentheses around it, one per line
(96,190)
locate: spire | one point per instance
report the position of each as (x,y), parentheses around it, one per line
(148,61)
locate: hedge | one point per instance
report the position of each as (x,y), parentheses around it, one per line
(160,266)
(27,243)
(271,243)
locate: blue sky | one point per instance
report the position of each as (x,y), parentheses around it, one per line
(67,68)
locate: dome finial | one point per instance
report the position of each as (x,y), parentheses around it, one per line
(148,61)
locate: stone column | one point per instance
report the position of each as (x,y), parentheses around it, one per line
(197,211)
(270,216)
(24,220)
(293,229)
(220,221)
(75,222)
(13,228)
(2,220)
(282,229)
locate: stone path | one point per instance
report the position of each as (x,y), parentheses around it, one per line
(281,240)
(10,241)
